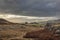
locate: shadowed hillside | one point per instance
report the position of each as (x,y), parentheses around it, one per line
(4,21)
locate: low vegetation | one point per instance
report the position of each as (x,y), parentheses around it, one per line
(28,31)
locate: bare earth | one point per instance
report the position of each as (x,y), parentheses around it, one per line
(16,32)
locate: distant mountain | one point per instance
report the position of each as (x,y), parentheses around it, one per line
(57,21)
(3,21)
(54,21)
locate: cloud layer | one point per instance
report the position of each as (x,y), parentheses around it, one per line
(31,7)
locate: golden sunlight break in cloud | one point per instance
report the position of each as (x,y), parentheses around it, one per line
(26,17)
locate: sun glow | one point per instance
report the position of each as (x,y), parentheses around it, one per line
(26,17)
(20,18)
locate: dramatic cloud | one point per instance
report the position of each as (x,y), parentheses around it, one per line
(31,7)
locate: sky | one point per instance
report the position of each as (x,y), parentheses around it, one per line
(41,8)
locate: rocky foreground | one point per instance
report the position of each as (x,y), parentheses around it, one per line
(43,35)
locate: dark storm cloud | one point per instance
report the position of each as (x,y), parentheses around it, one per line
(30,7)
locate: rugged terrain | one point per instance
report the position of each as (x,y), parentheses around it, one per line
(26,31)
(16,31)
